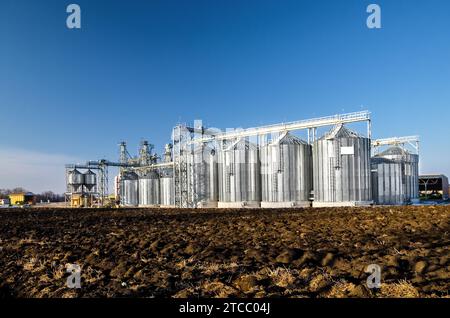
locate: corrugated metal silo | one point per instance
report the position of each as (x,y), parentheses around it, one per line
(387,181)
(239,175)
(409,170)
(167,187)
(286,172)
(90,179)
(129,186)
(203,176)
(341,169)
(75,179)
(149,194)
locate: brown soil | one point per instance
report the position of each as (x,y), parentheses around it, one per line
(226,253)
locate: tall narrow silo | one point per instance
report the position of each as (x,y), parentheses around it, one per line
(202,177)
(286,172)
(166,180)
(129,189)
(387,181)
(239,175)
(167,187)
(149,194)
(409,170)
(341,169)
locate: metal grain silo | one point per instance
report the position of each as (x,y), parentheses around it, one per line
(239,175)
(90,179)
(149,194)
(341,169)
(167,187)
(166,180)
(75,179)
(409,170)
(129,185)
(202,176)
(387,181)
(286,172)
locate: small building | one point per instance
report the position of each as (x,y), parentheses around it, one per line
(78,200)
(434,186)
(4,202)
(22,198)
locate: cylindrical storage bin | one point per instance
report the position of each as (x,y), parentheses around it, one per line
(90,179)
(341,169)
(202,176)
(239,175)
(75,179)
(149,189)
(129,189)
(409,170)
(387,181)
(286,172)
(167,187)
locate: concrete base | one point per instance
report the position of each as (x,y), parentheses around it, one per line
(343,204)
(167,206)
(206,205)
(237,205)
(148,205)
(291,204)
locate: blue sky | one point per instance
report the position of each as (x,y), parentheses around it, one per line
(136,68)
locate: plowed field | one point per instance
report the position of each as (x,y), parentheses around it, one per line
(225,253)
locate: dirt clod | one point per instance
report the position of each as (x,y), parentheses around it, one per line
(247,283)
(360,291)
(420,267)
(328,259)
(287,256)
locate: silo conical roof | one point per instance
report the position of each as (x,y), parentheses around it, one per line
(150,175)
(287,138)
(130,175)
(340,131)
(377,160)
(393,151)
(237,145)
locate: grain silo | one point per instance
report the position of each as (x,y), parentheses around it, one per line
(75,180)
(149,194)
(341,169)
(239,175)
(387,181)
(166,180)
(129,185)
(202,177)
(90,179)
(286,172)
(167,187)
(409,163)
